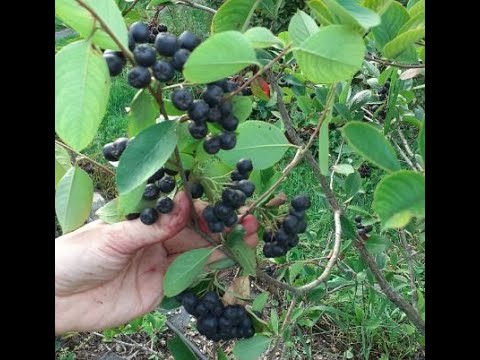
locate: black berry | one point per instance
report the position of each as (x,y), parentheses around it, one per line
(165,205)
(207,325)
(196,189)
(302,226)
(233,198)
(140,32)
(214,114)
(358,219)
(360,226)
(301,202)
(244,166)
(292,241)
(115,63)
(199,111)
(226,108)
(109,152)
(215,226)
(198,131)
(246,186)
(163,70)
(232,220)
(166,184)
(282,236)
(223,211)
(131,42)
(171,172)
(139,77)
(209,214)
(213,95)
(166,44)
(188,40)
(298,214)
(368,228)
(268,236)
(180,58)
(151,192)
(120,145)
(230,86)
(237,176)
(228,140)
(182,99)
(144,55)
(211,145)
(290,224)
(189,301)
(157,176)
(229,123)
(362,232)
(148,216)
(162,28)
(132,216)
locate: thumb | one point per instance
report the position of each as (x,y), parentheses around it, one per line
(132,235)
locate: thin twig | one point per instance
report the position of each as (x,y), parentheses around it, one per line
(135,344)
(390,63)
(284,325)
(336,163)
(391,294)
(195,5)
(261,71)
(404,156)
(409,257)
(190,344)
(85,157)
(130,8)
(407,148)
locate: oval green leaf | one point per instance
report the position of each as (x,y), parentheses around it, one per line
(369,142)
(377,244)
(109,212)
(219,56)
(183,271)
(321,12)
(323,61)
(251,349)
(301,27)
(261,37)
(260,301)
(73,199)
(143,112)
(399,197)
(180,350)
(352,184)
(232,15)
(145,154)
(80,19)
(355,15)
(82,87)
(392,21)
(242,107)
(379,6)
(265,144)
(62,163)
(402,42)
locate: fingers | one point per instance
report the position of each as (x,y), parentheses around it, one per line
(129,236)
(185,240)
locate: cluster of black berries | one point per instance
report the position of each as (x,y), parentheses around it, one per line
(223,214)
(383,92)
(362,229)
(145,55)
(112,151)
(216,321)
(213,108)
(286,237)
(365,170)
(154,30)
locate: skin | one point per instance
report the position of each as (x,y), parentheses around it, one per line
(107,275)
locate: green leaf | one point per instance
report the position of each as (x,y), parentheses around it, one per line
(323,61)
(171,109)
(251,349)
(260,301)
(324,145)
(232,15)
(221,355)
(371,144)
(399,197)
(359,99)
(132,202)
(222,264)
(274,320)
(184,269)
(62,163)
(344,169)
(80,19)
(415,22)
(264,143)
(145,154)
(301,27)
(417,8)
(179,350)
(392,21)
(143,112)
(73,199)
(348,12)
(352,184)
(244,254)
(421,141)
(377,244)
(379,6)
(321,12)
(242,107)
(219,56)
(261,37)
(294,270)
(402,42)
(109,212)
(82,87)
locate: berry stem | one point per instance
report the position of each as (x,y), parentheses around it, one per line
(336,163)
(272,353)
(130,8)
(195,6)
(404,156)
(390,63)
(249,17)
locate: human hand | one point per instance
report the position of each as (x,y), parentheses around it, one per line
(107,275)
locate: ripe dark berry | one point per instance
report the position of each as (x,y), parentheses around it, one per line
(368,228)
(139,77)
(244,166)
(226,108)
(282,236)
(166,44)
(189,301)
(229,123)
(171,172)
(215,227)
(144,55)
(207,325)
(180,58)
(109,152)
(232,220)
(211,300)
(246,186)
(211,145)
(224,323)
(165,205)
(148,216)
(151,39)
(214,114)
(247,91)
(298,214)
(196,189)
(268,236)
(209,214)
(157,176)
(230,86)
(228,140)
(233,198)
(120,145)
(292,241)
(272,250)
(301,202)
(237,176)
(198,111)
(131,42)
(201,309)
(290,224)
(166,184)
(140,32)
(223,211)
(360,226)
(198,131)
(163,70)
(358,219)
(132,216)
(213,95)
(162,28)
(182,99)
(362,232)
(188,40)
(151,192)
(115,64)
(302,226)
